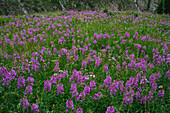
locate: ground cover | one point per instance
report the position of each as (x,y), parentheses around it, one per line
(88,61)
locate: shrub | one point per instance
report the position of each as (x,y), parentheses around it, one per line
(119,7)
(1,12)
(35,9)
(42,9)
(109,13)
(105,10)
(135,15)
(167,6)
(54,1)
(161,7)
(36,1)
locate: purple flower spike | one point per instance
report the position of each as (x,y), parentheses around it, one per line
(79,110)
(152,78)
(84,63)
(31,80)
(21,82)
(60,89)
(105,68)
(24,103)
(87,90)
(28,89)
(70,104)
(92,85)
(98,96)
(34,107)
(107,81)
(47,85)
(110,109)
(56,66)
(161,93)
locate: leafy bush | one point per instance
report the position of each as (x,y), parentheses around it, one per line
(161,7)
(54,1)
(42,9)
(109,13)
(167,6)
(119,7)
(91,4)
(135,15)
(105,10)
(35,9)
(36,1)
(1,12)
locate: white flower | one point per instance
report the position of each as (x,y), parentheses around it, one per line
(60,70)
(161,86)
(87,78)
(146,80)
(55,74)
(114,59)
(91,75)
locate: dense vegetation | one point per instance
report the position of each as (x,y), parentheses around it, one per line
(91,62)
(15,7)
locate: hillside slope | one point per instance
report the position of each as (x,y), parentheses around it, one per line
(14,7)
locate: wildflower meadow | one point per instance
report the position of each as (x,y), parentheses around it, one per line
(85,62)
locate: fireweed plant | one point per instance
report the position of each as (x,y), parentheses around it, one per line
(85,61)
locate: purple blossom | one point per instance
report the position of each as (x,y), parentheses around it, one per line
(74,93)
(79,110)
(98,96)
(138,65)
(105,68)
(124,63)
(48,52)
(110,109)
(70,104)
(168,74)
(65,72)
(152,78)
(127,100)
(24,103)
(84,63)
(138,46)
(92,85)
(94,42)
(143,38)
(47,85)
(87,90)
(143,99)
(138,95)
(28,89)
(150,95)
(107,81)
(21,82)
(81,96)
(34,107)
(54,50)
(31,80)
(60,89)
(98,62)
(54,79)
(161,93)
(7,76)
(56,67)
